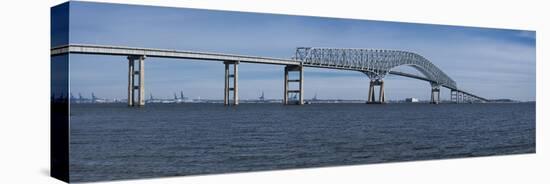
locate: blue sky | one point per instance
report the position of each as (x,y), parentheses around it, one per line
(493,63)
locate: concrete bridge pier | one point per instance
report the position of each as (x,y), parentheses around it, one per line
(136,83)
(372,88)
(454,96)
(300,91)
(436,97)
(231,83)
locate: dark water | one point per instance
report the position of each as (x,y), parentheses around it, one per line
(112,141)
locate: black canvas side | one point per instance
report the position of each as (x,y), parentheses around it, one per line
(59,101)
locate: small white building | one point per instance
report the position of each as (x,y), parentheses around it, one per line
(411,100)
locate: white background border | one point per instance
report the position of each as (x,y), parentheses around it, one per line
(24,91)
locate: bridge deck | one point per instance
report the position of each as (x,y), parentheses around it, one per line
(428,80)
(164,53)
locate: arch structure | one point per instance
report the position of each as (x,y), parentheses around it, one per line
(375,63)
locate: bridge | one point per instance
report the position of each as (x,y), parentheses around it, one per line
(374,63)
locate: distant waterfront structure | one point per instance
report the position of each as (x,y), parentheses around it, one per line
(412,100)
(314,98)
(182,96)
(262,98)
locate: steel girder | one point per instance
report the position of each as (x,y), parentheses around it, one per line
(375,63)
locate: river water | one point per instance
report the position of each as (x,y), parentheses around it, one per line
(113,141)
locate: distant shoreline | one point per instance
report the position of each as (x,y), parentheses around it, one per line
(308,102)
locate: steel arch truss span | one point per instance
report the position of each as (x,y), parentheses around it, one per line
(375,63)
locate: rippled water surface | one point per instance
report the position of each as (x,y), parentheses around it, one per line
(112,141)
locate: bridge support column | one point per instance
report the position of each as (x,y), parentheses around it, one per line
(454,96)
(231,83)
(435,94)
(381,96)
(297,94)
(136,85)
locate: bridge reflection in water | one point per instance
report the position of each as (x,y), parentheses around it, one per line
(375,64)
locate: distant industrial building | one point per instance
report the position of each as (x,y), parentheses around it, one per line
(412,100)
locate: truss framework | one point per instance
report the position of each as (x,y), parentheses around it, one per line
(376,64)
